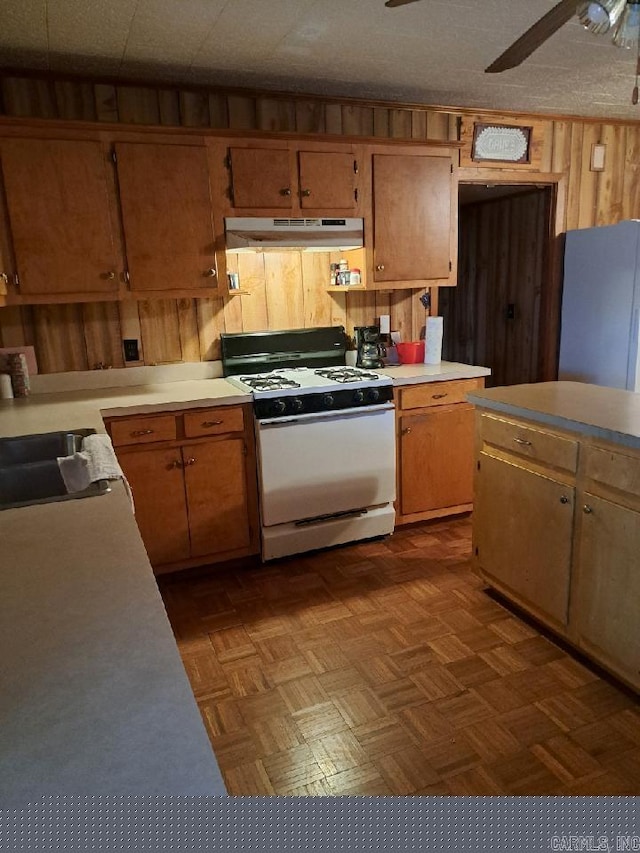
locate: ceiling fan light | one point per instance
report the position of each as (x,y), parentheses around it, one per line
(598,16)
(627,32)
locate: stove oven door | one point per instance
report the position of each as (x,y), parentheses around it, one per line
(311,466)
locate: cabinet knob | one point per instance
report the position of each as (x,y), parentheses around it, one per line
(285,191)
(110,275)
(380,267)
(587,509)
(176,464)
(406,430)
(210,273)
(190,461)
(564,499)
(306,193)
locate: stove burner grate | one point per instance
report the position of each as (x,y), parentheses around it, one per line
(347,374)
(273,382)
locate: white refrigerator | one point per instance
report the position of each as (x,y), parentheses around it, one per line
(601,306)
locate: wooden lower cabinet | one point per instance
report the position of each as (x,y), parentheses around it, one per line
(605,610)
(556,528)
(524,524)
(195,496)
(435,436)
(157,484)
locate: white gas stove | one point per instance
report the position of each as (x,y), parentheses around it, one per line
(325,436)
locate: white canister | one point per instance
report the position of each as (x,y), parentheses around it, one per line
(6,389)
(433,340)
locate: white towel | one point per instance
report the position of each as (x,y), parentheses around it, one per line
(96,461)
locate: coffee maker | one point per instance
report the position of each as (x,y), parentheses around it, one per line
(369,347)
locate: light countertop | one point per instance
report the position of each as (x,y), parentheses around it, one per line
(607,413)
(414,374)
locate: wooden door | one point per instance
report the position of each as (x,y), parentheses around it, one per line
(157,483)
(261,178)
(167,216)
(60,216)
(522,527)
(436,458)
(608,587)
(412,217)
(215,479)
(327,180)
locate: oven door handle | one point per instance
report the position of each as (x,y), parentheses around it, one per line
(338,414)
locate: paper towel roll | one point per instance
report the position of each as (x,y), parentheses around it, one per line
(433,341)
(6,389)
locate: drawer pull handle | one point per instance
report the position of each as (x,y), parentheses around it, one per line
(176,464)
(190,461)
(522,441)
(208,424)
(138,432)
(587,509)
(439,396)
(564,499)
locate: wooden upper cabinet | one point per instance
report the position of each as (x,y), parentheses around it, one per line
(292,180)
(261,178)
(327,180)
(414,234)
(167,216)
(60,217)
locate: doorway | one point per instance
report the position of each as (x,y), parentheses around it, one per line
(495,315)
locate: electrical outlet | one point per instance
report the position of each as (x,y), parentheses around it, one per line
(131,349)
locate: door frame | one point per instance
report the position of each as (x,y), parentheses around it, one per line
(551,296)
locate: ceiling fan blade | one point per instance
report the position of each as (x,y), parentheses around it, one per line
(534,37)
(392,3)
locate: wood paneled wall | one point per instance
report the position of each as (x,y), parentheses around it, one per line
(493,317)
(286,289)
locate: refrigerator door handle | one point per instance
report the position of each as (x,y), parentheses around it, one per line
(633,369)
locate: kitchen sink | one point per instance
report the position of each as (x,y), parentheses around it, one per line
(29,472)
(20,449)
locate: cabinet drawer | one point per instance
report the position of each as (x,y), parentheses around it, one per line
(616,470)
(213,421)
(143,430)
(436,393)
(544,447)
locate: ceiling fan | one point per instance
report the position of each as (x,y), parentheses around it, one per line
(620,17)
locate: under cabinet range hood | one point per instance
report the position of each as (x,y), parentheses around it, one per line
(284,233)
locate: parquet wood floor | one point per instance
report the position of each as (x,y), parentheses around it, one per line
(385,668)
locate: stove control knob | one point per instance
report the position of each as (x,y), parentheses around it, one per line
(327,401)
(358,396)
(278,407)
(297,405)
(373,394)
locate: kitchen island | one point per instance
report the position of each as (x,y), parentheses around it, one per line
(556,525)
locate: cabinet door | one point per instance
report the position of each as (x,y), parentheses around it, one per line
(412,217)
(58,202)
(522,523)
(608,587)
(327,180)
(215,480)
(167,216)
(436,459)
(261,178)
(157,482)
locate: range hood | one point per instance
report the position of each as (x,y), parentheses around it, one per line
(319,234)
